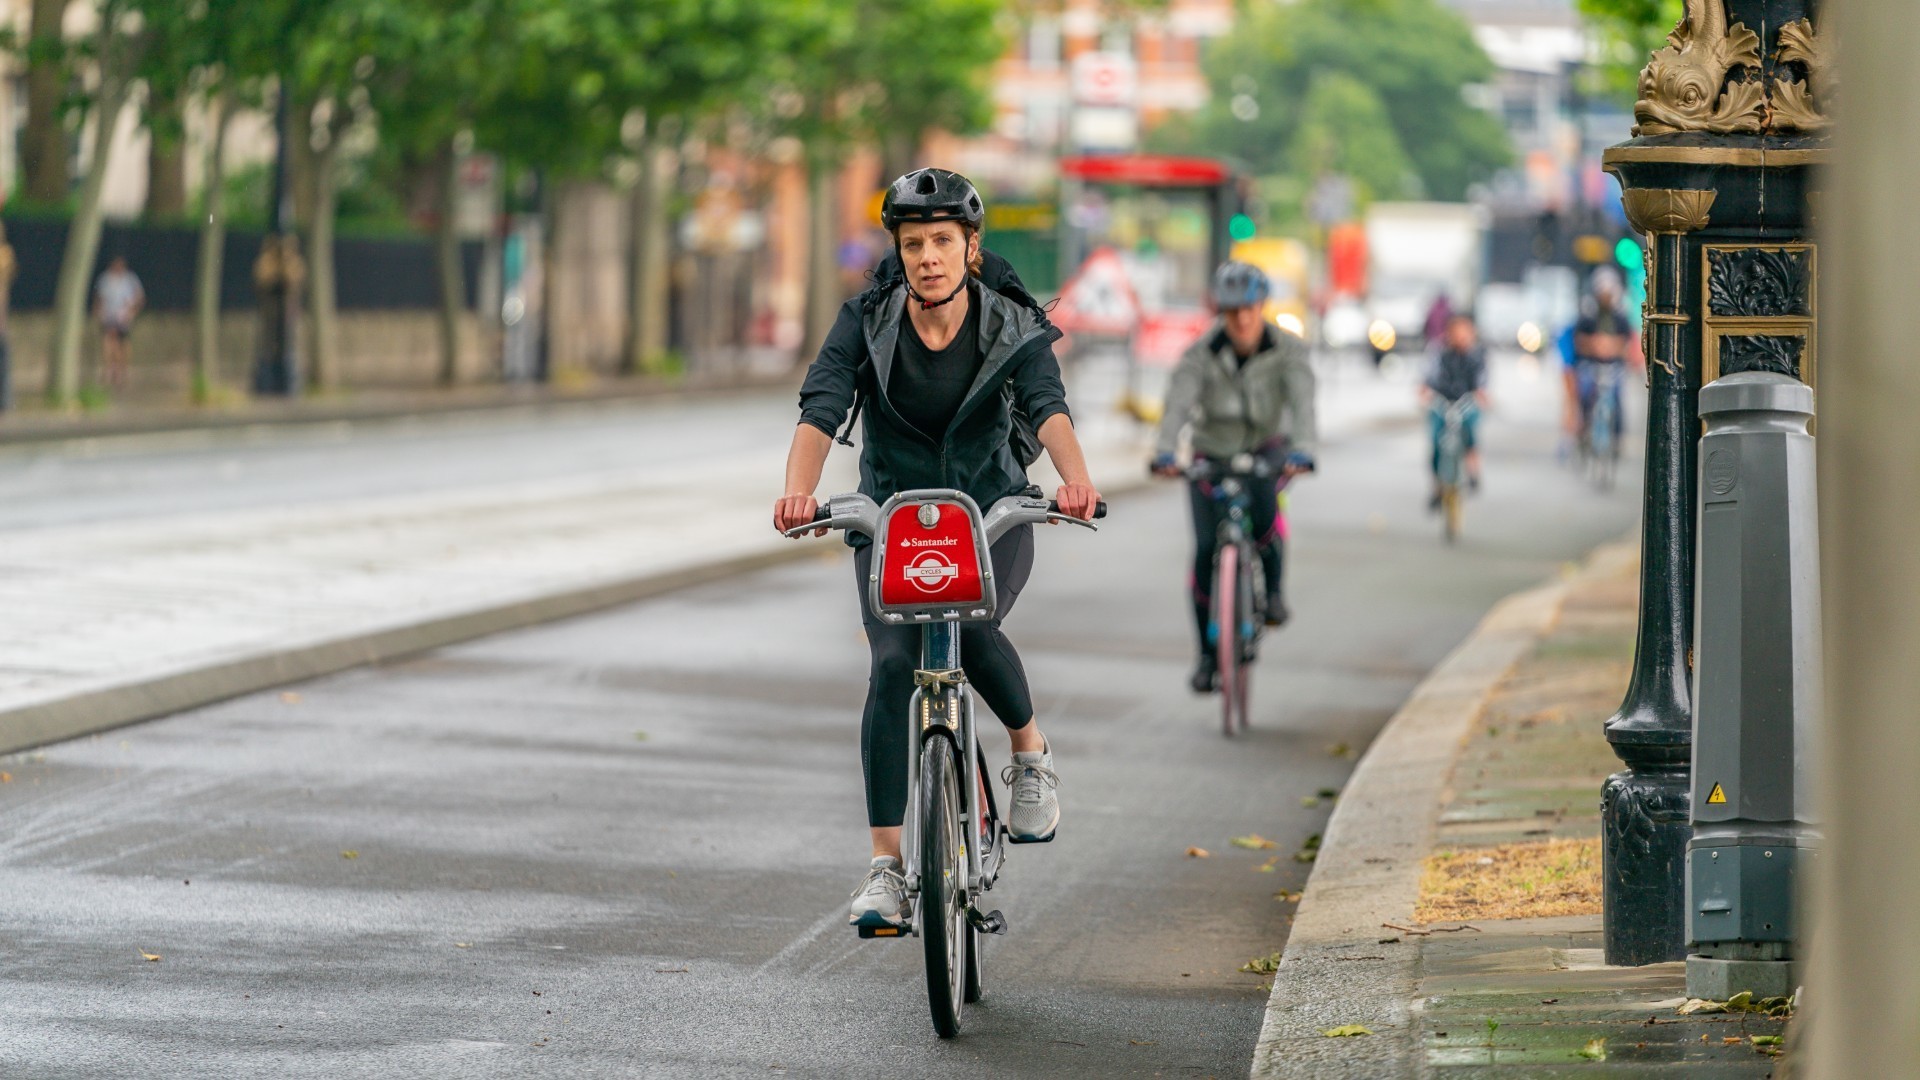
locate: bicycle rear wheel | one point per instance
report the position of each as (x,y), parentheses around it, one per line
(1227,638)
(943,872)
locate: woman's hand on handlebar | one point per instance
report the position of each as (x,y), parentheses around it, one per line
(1077,500)
(793,511)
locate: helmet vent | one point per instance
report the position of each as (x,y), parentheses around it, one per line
(927,185)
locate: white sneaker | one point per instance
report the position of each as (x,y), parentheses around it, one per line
(881,899)
(1035,813)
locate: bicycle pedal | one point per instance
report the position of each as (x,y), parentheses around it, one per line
(991,922)
(881,931)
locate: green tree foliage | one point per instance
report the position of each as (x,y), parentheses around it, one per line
(1628,31)
(1370,88)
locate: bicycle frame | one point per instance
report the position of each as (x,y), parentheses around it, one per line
(940,674)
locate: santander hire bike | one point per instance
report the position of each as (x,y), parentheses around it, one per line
(931,568)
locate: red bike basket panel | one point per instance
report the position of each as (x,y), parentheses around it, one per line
(937,564)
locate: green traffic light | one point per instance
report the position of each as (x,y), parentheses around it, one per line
(1241,227)
(1628,254)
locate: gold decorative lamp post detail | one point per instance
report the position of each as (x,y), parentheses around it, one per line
(1730,123)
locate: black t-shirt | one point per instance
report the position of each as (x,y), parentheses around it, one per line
(928,385)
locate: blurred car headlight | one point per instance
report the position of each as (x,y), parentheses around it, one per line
(1530,337)
(1291,323)
(1381,336)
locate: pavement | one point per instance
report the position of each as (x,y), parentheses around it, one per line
(620,844)
(1499,751)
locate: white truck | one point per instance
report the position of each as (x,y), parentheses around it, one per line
(1417,251)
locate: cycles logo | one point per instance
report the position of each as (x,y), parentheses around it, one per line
(931,571)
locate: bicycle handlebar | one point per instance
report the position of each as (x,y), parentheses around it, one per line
(858,513)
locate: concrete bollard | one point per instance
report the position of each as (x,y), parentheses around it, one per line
(1756,685)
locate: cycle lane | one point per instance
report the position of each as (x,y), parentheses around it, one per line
(498,796)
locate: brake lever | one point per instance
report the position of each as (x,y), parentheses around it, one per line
(1055,519)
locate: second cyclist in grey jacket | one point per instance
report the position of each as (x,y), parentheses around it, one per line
(1244,388)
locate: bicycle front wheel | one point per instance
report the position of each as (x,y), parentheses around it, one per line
(1227,638)
(943,873)
(1450,508)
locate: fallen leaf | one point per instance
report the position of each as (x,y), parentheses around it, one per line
(1287,896)
(6,778)
(1309,801)
(1549,1001)
(150,957)
(640,736)
(1345,1031)
(1329,793)
(289,698)
(1262,965)
(349,854)
(1595,1050)
(1701,1006)
(1267,867)
(463,944)
(1766,1040)
(1253,842)
(1731,1040)
(1340,750)
(1199,853)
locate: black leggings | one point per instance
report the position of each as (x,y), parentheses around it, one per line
(992,667)
(1208,513)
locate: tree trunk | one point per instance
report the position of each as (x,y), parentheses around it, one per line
(647,299)
(302,161)
(83,238)
(43,145)
(823,262)
(166,160)
(323,322)
(453,289)
(213,246)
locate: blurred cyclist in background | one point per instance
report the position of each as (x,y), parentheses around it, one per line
(1458,371)
(1244,388)
(1603,335)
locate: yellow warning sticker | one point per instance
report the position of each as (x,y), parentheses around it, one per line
(1717,795)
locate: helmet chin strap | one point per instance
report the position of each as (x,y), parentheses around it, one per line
(926,304)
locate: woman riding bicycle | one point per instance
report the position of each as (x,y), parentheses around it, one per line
(1245,388)
(940,363)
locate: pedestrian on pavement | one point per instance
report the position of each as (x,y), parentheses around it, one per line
(117,300)
(1458,371)
(949,361)
(1245,388)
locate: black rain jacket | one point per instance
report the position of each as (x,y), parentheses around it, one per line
(973,456)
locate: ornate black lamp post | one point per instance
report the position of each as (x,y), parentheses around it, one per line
(1720,178)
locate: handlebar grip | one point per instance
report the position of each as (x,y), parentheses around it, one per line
(1099,509)
(823,513)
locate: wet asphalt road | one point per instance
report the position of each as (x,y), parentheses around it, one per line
(621,845)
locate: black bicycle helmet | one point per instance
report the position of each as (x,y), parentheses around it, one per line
(932,195)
